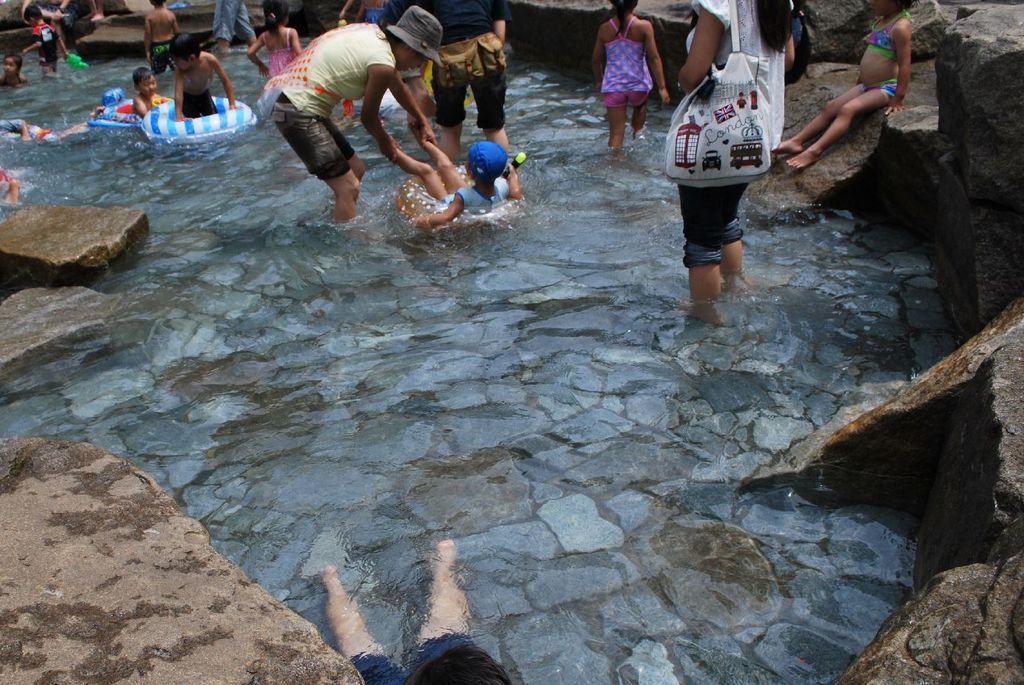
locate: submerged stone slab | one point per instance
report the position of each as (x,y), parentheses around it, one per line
(34,319)
(105,581)
(44,245)
(889,455)
(578,526)
(965,627)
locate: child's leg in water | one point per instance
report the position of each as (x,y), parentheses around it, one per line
(431,179)
(639,118)
(616,126)
(794,145)
(449,174)
(449,609)
(345,619)
(862,104)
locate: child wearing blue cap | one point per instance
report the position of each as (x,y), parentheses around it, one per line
(486,166)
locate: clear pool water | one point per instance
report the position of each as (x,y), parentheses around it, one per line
(531,387)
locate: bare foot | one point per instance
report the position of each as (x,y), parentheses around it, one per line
(735,282)
(789,147)
(329,576)
(804,159)
(706,312)
(13,192)
(97,17)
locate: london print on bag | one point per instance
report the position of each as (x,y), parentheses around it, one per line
(723,138)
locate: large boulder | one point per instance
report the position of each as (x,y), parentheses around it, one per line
(838,29)
(33,320)
(979,252)
(978,491)
(65,245)
(965,627)
(978,112)
(105,580)
(907,169)
(890,455)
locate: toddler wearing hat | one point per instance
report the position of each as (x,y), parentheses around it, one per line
(486,166)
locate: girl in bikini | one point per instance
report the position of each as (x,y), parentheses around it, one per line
(884,78)
(281,42)
(625,59)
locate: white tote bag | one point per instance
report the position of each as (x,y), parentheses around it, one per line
(723,138)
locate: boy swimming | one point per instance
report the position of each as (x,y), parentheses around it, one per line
(193,71)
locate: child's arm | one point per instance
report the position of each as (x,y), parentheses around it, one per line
(140,106)
(418,122)
(654,61)
(179,95)
(428,222)
(293,42)
(251,54)
(174,23)
(515,188)
(229,88)
(30,48)
(147,36)
(499,29)
(901,41)
(60,44)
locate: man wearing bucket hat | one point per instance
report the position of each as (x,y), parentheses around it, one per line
(472,55)
(358,61)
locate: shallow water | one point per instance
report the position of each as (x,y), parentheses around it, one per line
(316,394)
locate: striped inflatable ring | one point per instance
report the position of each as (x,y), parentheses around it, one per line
(160,126)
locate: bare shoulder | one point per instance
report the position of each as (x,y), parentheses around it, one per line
(902,27)
(606,32)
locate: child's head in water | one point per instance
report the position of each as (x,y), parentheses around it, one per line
(144,81)
(486,161)
(463,665)
(12,70)
(275,13)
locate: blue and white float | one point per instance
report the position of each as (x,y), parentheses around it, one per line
(118,112)
(159,124)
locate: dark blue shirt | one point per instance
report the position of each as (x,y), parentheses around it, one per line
(460,19)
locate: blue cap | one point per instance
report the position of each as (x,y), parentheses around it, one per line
(487,161)
(112,96)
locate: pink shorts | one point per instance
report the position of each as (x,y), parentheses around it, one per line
(635,98)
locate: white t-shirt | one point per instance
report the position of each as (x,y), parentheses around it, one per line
(752,44)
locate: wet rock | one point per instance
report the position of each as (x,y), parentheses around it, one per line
(103,575)
(33,320)
(979,487)
(889,455)
(838,29)
(964,627)
(65,245)
(550,649)
(978,54)
(648,665)
(11,15)
(714,573)
(578,526)
(907,167)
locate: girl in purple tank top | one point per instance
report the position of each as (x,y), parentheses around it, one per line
(625,58)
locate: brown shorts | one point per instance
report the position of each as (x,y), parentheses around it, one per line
(320,144)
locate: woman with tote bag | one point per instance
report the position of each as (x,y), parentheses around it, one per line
(713,247)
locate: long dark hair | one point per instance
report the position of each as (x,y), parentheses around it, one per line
(621,7)
(274,12)
(774,19)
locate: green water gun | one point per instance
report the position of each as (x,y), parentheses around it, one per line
(75,62)
(515,162)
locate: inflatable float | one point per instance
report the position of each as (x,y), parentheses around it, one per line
(118,112)
(412,198)
(159,124)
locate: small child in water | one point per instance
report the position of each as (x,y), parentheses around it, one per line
(193,70)
(281,42)
(486,165)
(146,96)
(625,59)
(883,82)
(13,77)
(45,39)
(160,28)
